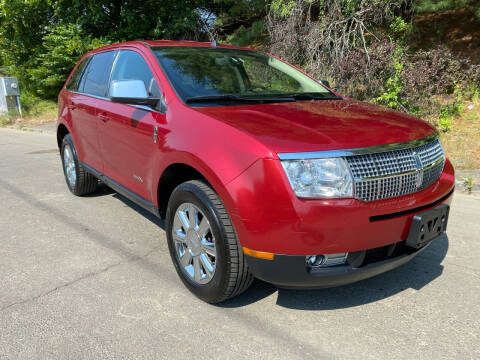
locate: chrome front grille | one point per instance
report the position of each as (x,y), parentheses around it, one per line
(388,174)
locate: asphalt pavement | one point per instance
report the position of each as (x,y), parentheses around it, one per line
(91,277)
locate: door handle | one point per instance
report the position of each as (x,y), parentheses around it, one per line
(104,117)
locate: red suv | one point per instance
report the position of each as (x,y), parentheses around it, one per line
(259,169)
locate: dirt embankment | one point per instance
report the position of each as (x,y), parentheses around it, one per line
(458,29)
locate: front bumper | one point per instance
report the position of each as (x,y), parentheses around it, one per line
(269,217)
(291,271)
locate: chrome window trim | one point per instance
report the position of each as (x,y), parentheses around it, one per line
(357,151)
(89,95)
(143,107)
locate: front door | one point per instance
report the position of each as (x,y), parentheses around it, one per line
(127,132)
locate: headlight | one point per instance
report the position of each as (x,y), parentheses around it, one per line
(319,178)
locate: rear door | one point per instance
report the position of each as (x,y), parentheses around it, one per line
(83,106)
(128,141)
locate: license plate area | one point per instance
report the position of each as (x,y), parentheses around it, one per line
(427,226)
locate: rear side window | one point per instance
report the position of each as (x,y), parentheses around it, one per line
(77,75)
(130,65)
(94,81)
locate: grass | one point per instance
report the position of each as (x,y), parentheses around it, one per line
(8,119)
(35,112)
(462,141)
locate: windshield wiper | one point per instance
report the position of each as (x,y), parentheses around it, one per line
(312,96)
(234,98)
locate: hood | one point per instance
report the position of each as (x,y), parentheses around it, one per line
(320,125)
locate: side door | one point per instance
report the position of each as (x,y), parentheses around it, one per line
(127,132)
(83,107)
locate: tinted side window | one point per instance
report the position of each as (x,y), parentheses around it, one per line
(94,82)
(130,65)
(77,75)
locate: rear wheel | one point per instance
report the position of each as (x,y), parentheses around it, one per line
(203,244)
(79,181)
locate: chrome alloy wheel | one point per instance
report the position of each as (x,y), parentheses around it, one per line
(194,243)
(69,164)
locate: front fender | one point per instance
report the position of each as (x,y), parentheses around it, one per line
(218,184)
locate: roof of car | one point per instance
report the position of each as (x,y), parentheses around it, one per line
(152,43)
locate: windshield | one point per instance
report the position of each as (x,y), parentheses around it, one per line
(203,74)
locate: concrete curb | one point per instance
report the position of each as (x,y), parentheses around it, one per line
(37,129)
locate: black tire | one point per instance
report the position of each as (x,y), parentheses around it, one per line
(232,275)
(85,182)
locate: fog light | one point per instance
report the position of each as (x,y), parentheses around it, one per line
(326,260)
(315,260)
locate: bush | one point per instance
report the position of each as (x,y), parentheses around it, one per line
(8,119)
(468,184)
(426,83)
(33,106)
(438,71)
(363,77)
(245,36)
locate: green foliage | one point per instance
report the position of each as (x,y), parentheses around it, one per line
(41,40)
(439,5)
(231,11)
(429,6)
(400,29)
(450,111)
(62,48)
(23,24)
(468,184)
(282,7)
(392,97)
(445,119)
(245,36)
(131,19)
(8,119)
(447,114)
(33,106)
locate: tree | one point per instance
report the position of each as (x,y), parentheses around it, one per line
(23,24)
(41,40)
(61,49)
(121,20)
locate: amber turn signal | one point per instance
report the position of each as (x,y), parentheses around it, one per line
(258,254)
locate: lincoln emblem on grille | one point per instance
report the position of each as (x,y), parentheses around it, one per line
(419,166)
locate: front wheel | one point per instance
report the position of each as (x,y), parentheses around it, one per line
(203,244)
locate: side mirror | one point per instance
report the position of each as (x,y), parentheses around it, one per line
(324,82)
(131,92)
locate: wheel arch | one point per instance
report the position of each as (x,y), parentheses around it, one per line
(181,171)
(62,131)
(173,175)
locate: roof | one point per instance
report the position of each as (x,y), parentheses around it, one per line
(151,43)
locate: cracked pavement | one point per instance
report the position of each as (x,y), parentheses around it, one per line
(91,277)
